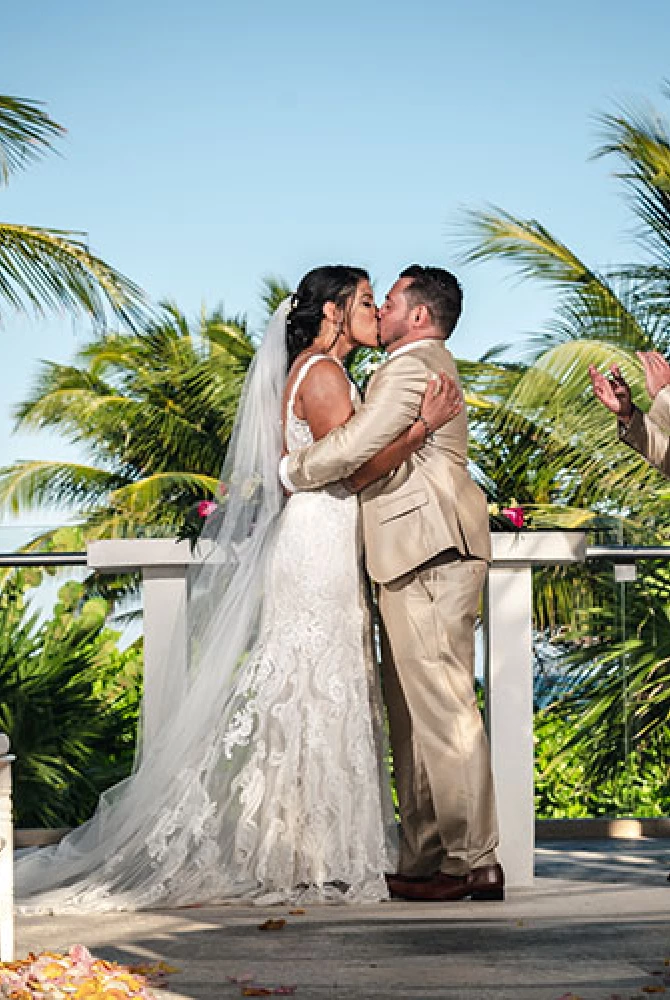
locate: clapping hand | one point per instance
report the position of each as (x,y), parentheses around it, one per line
(656,371)
(613,391)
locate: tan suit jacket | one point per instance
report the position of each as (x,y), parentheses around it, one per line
(649,433)
(430,503)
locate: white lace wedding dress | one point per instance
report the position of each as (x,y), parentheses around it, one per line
(285,797)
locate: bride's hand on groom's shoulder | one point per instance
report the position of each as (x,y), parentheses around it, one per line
(442,401)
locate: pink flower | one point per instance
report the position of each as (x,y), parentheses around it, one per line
(80,953)
(515,515)
(206,507)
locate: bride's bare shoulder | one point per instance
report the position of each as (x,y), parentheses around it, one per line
(323,384)
(323,371)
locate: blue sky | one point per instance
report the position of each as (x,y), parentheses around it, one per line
(212,143)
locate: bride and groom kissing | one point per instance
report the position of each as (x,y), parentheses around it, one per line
(279,791)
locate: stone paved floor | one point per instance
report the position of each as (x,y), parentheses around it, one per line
(596,925)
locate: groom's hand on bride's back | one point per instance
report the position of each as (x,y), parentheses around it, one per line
(442,401)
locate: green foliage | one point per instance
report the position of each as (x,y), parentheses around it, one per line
(546,437)
(273,293)
(154,409)
(26,132)
(568,787)
(540,435)
(69,700)
(52,268)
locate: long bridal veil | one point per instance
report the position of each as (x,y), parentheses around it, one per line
(161,835)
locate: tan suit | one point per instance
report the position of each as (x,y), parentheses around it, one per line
(427,542)
(649,433)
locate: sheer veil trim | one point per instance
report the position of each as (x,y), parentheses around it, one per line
(224,605)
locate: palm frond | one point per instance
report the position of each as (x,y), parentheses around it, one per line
(65,485)
(229,338)
(495,234)
(26,133)
(54,269)
(161,491)
(273,292)
(641,140)
(537,254)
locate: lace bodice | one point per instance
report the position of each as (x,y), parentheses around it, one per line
(298,432)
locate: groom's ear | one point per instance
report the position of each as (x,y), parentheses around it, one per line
(420,316)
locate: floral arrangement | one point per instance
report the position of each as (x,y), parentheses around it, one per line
(195,516)
(510,518)
(79,976)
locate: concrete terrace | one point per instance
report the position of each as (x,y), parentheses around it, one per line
(595,925)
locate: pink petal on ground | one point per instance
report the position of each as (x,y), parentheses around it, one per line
(80,953)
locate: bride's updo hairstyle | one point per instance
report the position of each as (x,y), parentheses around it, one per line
(332,283)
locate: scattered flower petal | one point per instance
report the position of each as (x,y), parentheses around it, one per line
(272,925)
(77,976)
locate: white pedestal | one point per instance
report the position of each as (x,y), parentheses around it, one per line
(163,564)
(509,683)
(6,861)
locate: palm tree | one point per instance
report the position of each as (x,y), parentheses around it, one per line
(557,442)
(68,698)
(601,317)
(41,268)
(154,409)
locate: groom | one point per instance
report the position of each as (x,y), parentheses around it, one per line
(427,545)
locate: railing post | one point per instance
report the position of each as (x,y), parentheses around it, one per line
(509,682)
(163,564)
(6,854)
(509,688)
(164,606)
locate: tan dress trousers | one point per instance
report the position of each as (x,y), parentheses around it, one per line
(440,749)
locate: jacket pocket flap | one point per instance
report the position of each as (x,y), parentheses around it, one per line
(391,507)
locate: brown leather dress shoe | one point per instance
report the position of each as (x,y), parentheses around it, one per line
(487,882)
(439,889)
(397,877)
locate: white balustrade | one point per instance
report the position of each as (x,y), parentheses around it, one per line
(164,564)
(6,854)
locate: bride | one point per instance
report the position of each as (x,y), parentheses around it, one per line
(267,782)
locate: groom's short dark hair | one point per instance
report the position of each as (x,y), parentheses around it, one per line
(439,291)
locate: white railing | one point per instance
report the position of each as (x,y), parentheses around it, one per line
(6,854)
(164,565)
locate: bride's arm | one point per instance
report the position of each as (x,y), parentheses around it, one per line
(389,458)
(441,402)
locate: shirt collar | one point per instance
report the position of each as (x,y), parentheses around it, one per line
(410,347)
